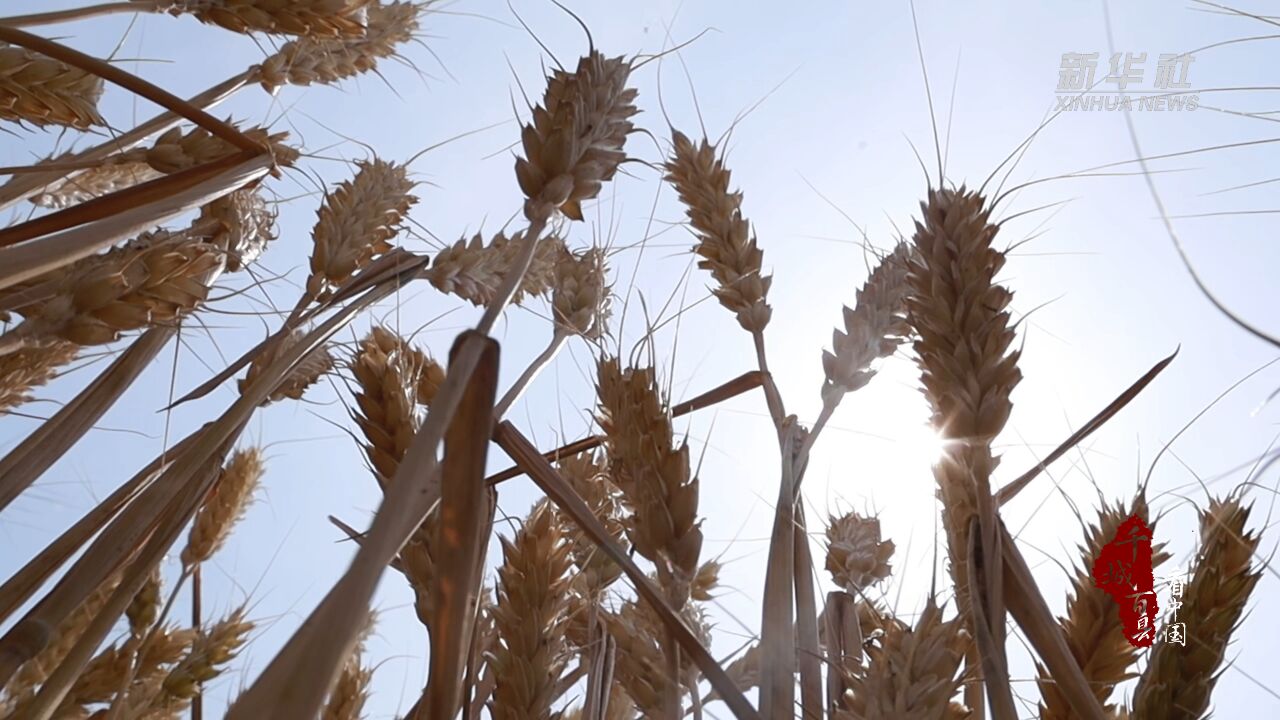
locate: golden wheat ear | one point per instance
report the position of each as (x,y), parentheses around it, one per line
(1179,679)
(312,18)
(42,91)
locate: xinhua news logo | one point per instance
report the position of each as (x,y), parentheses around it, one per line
(1124,85)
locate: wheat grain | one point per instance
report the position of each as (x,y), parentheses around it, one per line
(308,61)
(43,91)
(176,150)
(529,617)
(356,223)
(145,606)
(575,142)
(224,506)
(209,655)
(317,18)
(1179,679)
(725,241)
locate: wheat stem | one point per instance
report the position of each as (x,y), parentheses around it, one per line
(558,339)
(83,13)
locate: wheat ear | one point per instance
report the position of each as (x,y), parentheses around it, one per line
(580,303)
(874,328)
(31,367)
(1092,627)
(856,556)
(912,673)
(224,506)
(43,91)
(530,618)
(308,61)
(1179,680)
(94,182)
(475,272)
(313,18)
(356,223)
(726,245)
(305,374)
(240,224)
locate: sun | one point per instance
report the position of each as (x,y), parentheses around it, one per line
(922,444)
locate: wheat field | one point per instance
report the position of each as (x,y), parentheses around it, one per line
(805,359)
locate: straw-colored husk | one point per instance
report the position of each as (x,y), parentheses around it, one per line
(145,607)
(213,649)
(176,150)
(1179,679)
(32,367)
(394,378)
(641,667)
(575,142)
(42,91)
(224,506)
(588,474)
(307,61)
(475,271)
(356,223)
(241,225)
(315,18)
(530,618)
(726,245)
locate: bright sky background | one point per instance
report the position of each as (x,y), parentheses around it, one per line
(838,101)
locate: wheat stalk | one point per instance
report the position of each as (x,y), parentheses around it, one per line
(43,91)
(1179,679)
(530,618)
(351,691)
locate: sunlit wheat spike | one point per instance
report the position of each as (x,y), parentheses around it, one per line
(856,556)
(912,673)
(39,90)
(356,223)
(214,648)
(960,317)
(176,150)
(155,280)
(1179,679)
(580,302)
(874,327)
(1092,627)
(224,506)
(575,143)
(317,18)
(309,369)
(31,367)
(351,691)
(641,667)
(653,474)
(726,245)
(393,379)
(530,617)
(308,61)
(94,182)
(241,225)
(473,270)
(588,474)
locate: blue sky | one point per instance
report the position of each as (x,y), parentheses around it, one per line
(836,101)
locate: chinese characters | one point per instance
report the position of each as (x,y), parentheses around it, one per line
(1124,571)
(1080,88)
